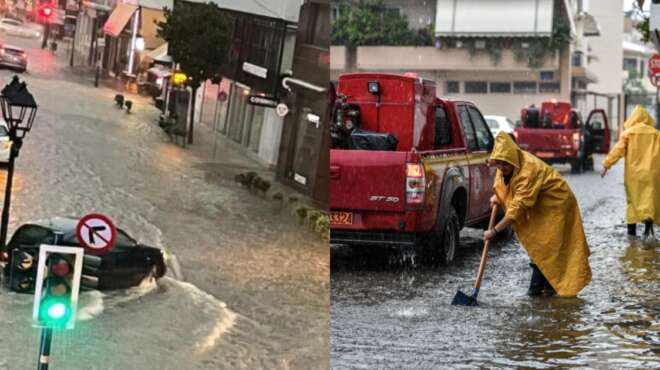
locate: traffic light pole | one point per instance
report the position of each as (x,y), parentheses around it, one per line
(44,42)
(44,348)
(13,153)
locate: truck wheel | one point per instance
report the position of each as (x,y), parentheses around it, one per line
(450,237)
(589,164)
(577,165)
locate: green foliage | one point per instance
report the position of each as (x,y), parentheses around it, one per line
(633,85)
(539,48)
(367,24)
(198,38)
(643,28)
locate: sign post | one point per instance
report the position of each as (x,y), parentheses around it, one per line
(654,75)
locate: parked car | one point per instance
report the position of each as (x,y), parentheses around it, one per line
(499,123)
(13,57)
(16,27)
(127,264)
(5,143)
(406,168)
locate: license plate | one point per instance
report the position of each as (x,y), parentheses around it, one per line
(545,154)
(341,218)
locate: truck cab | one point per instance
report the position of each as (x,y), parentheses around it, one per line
(556,133)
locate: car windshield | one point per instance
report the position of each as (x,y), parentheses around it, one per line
(32,235)
(492,123)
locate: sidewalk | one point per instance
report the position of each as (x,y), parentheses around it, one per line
(221,159)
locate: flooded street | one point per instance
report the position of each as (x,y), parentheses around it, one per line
(398,316)
(253,290)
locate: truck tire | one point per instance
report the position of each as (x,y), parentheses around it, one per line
(577,165)
(450,237)
(439,247)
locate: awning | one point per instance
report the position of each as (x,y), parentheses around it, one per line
(591,26)
(521,18)
(118,19)
(160,54)
(159,72)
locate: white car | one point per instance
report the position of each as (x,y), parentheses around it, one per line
(5,143)
(499,123)
(16,27)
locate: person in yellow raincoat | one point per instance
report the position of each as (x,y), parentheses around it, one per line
(640,144)
(544,214)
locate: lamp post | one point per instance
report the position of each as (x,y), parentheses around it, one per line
(18,110)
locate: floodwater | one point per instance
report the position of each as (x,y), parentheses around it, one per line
(392,314)
(252,290)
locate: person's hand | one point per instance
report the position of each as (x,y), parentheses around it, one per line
(603,172)
(493,201)
(489,234)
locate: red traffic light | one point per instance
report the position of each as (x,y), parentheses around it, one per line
(61,268)
(46,11)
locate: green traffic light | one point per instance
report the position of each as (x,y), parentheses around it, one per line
(54,312)
(57,311)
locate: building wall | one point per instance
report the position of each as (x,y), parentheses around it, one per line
(420,13)
(608,46)
(443,65)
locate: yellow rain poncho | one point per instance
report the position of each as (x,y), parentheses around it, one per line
(640,144)
(545,216)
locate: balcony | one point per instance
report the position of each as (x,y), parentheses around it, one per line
(427,58)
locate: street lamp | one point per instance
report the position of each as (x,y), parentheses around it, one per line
(18,110)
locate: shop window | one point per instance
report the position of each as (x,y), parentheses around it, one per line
(500,87)
(476,87)
(547,75)
(549,87)
(524,87)
(453,87)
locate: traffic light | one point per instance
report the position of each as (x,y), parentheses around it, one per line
(46,11)
(57,286)
(22,271)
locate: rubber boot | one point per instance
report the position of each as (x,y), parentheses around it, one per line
(632,229)
(537,283)
(648,228)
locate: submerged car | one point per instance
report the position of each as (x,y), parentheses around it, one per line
(13,57)
(127,264)
(16,27)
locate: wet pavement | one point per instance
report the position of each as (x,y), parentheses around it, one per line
(387,313)
(253,290)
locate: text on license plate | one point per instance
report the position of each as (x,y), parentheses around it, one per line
(341,218)
(545,154)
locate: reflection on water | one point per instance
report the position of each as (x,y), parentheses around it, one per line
(398,315)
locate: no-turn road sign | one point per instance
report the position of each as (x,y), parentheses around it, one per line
(96,233)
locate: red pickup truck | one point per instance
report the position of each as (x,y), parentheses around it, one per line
(555,133)
(406,167)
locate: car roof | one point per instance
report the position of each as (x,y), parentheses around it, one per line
(67,226)
(6,46)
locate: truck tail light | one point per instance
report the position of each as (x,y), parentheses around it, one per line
(515,136)
(576,140)
(415,185)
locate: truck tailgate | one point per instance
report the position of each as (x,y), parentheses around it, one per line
(367,180)
(545,140)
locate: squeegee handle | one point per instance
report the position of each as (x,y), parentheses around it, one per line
(484,254)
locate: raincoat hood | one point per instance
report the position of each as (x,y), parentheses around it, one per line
(639,116)
(506,150)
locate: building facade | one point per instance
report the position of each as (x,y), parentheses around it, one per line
(480,55)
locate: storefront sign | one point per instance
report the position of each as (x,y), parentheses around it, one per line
(300,179)
(255,70)
(263,101)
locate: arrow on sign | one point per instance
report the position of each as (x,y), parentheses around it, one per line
(94,230)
